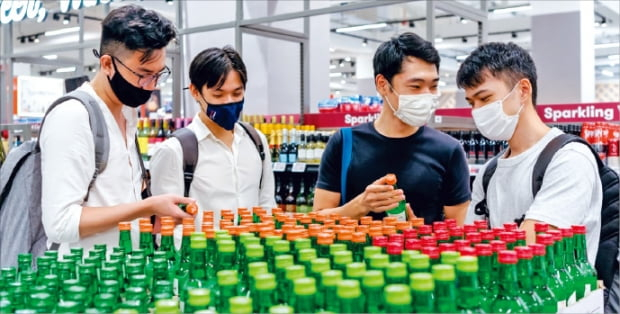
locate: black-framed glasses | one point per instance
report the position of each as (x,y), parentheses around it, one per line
(146,80)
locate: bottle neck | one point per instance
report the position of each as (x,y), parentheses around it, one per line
(508,285)
(524,270)
(198,269)
(550,258)
(569,251)
(580,248)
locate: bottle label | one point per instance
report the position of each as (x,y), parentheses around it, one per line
(318,153)
(572,299)
(292,158)
(301,155)
(283,157)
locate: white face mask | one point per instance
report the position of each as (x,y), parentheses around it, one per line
(415,110)
(493,122)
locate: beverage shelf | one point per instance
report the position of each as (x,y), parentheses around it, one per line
(297,167)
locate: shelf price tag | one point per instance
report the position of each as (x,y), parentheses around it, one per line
(279,166)
(299,167)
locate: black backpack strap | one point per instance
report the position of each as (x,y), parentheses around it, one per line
(189,145)
(146,177)
(258,143)
(482,208)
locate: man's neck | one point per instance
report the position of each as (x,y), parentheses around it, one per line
(101,86)
(529,131)
(389,125)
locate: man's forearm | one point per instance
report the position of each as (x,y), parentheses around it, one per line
(94,220)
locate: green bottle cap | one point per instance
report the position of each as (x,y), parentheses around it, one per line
(68,307)
(139,280)
(51,253)
(167,307)
(305,286)
(449,257)
(265,281)
(240,305)
(134,268)
(162,296)
(40,299)
(135,293)
(254,251)
(407,254)
(199,297)
(125,310)
(283,261)
(343,257)
(50,279)
(105,298)
(138,253)
(336,247)
(349,289)
(95,260)
(371,250)
(271,240)
(397,294)
(467,264)
(163,286)
(422,282)
(306,255)
(443,272)
(281,246)
(281,309)
(220,233)
(227,277)
(356,270)
(198,243)
(110,272)
(331,278)
(244,236)
(257,268)
(419,261)
(24,257)
(224,237)
(37,289)
(226,246)
(117,256)
(69,283)
(302,243)
(109,285)
(295,271)
(379,261)
(373,279)
(396,270)
(319,265)
(76,293)
(250,241)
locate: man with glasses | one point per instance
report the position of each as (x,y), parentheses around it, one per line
(132,63)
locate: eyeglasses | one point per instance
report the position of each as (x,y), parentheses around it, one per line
(146,80)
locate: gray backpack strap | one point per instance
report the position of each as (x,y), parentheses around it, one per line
(189,145)
(258,143)
(97,125)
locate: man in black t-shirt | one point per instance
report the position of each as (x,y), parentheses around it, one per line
(432,172)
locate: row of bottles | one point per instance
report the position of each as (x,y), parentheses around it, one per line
(478,148)
(153,131)
(298,146)
(284,263)
(294,194)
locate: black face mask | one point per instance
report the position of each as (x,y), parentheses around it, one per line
(127,93)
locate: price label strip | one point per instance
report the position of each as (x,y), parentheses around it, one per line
(299,167)
(279,167)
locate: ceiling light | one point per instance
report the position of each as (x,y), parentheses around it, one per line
(607,73)
(66,20)
(50,57)
(364,42)
(36,39)
(613,57)
(65,70)
(332,66)
(347,59)
(438,40)
(332,50)
(464,20)
(607,45)
(343,82)
(335,74)
(63,31)
(360,27)
(512,9)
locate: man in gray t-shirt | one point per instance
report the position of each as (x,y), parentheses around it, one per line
(500,84)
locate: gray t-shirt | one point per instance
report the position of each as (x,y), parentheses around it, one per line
(571,193)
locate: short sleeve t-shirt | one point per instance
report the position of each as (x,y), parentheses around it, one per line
(430,167)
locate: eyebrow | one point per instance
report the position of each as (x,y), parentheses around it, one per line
(420,80)
(141,69)
(234,90)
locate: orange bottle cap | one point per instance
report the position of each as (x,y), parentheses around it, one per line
(225,212)
(188,229)
(191,209)
(324,239)
(362,228)
(402,225)
(334,216)
(290,221)
(390,220)
(124,225)
(276,210)
(390,179)
(388,230)
(144,221)
(417,222)
(146,227)
(305,220)
(243,229)
(376,223)
(314,230)
(167,230)
(375,231)
(329,222)
(345,235)
(206,225)
(297,216)
(358,237)
(225,224)
(366,220)
(286,228)
(209,233)
(312,215)
(266,217)
(252,227)
(320,217)
(188,221)
(277,232)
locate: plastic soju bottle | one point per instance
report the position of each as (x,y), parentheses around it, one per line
(342,259)
(198,299)
(373,283)
(400,211)
(469,298)
(379,262)
(264,296)
(124,239)
(329,283)
(228,282)
(398,299)
(355,271)
(304,299)
(287,287)
(281,263)
(350,297)
(422,291)
(508,299)
(541,279)
(240,305)
(396,273)
(369,251)
(445,288)
(166,307)
(560,264)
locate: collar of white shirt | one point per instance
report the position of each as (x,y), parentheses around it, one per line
(202,131)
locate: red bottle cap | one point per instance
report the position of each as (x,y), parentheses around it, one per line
(520,234)
(483,249)
(380,241)
(544,238)
(451,223)
(487,235)
(461,243)
(541,227)
(497,231)
(469,228)
(397,238)
(467,251)
(498,245)
(474,237)
(507,257)
(481,224)
(556,234)
(439,225)
(579,229)
(425,230)
(447,247)
(510,226)
(410,233)
(567,232)
(429,241)
(524,252)
(413,244)
(456,232)
(508,237)
(538,249)
(394,248)
(431,251)
(442,235)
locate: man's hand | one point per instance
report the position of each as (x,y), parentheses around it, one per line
(379,197)
(168,205)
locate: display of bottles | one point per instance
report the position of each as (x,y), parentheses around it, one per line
(301,202)
(445,288)
(290,201)
(588,273)
(469,298)
(508,298)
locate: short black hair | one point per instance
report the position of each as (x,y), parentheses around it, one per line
(212,65)
(506,61)
(137,29)
(390,55)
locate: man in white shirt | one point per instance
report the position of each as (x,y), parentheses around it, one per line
(132,63)
(229,172)
(500,84)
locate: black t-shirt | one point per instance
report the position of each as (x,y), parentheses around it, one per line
(430,167)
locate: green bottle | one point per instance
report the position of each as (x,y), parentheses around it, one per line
(255,269)
(166,307)
(370,251)
(281,309)
(285,289)
(226,255)
(105,302)
(111,287)
(422,292)
(162,290)
(570,264)
(372,285)
(43,268)
(355,271)
(146,240)
(469,299)
(588,273)
(379,262)
(350,297)
(198,299)
(394,251)
(228,282)
(358,242)
(488,286)
(77,253)
(141,281)
(508,299)
(160,270)
(264,295)
(306,256)
(197,273)
(182,273)
(167,246)
(555,282)
(329,284)
(396,273)
(281,263)
(269,243)
(52,284)
(560,264)
(240,305)
(445,288)
(24,263)
(419,263)
(341,259)
(398,299)
(541,279)
(336,247)
(254,253)
(524,274)
(304,300)
(300,244)
(42,302)
(88,280)
(77,294)
(18,295)
(400,211)
(69,307)
(449,257)
(317,267)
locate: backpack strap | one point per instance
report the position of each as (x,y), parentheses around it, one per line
(189,145)
(347,148)
(258,143)
(146,177)
(482,208)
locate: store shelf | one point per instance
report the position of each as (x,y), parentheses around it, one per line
(298,167)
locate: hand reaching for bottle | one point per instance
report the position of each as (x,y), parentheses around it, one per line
(379,197)
(168,205)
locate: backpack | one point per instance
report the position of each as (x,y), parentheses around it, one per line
(189,145)
(606,258)
(21,228)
